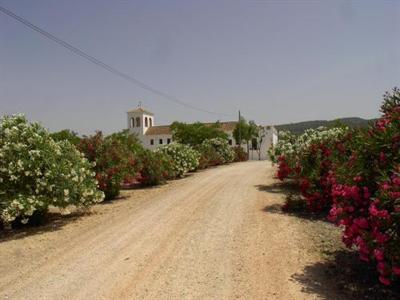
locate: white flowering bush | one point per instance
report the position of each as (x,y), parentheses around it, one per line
(291,146)
(36,172)
(285,146)
(183,157)
(220,146)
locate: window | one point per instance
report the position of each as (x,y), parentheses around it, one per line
(254,144)
(151,142)
(146,122)
(137,122)
(151,122)
(230,142)
(132,122)
(160,141)
(168,141)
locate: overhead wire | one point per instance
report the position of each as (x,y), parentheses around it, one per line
(106,66)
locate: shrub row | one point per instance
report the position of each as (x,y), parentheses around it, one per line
(39,169)
(355,175)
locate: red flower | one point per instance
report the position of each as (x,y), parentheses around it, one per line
(384,280)
(379,255)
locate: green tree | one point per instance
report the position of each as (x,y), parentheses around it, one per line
(66,135)
(245,131)
(128,139)
(195,134)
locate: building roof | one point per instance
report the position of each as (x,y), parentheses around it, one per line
(158,130)
(141,110)
(166,129)
(225,126)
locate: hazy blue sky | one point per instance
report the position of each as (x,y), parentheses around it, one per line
(277,61)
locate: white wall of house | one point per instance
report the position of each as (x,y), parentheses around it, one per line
(268,137)
(139,121)
(153,141)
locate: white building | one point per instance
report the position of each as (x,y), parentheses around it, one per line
(142,123)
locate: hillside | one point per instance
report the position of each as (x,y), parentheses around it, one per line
(300,127)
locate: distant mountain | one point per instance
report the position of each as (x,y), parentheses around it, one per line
(300,127)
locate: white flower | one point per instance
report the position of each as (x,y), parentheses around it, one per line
(66,192)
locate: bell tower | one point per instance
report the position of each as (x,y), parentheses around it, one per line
(139,120)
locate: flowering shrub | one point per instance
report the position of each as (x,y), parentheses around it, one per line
(221,147)
(113,160)
(309,159)
(239,154)
(209,157)
(68,135)
(156,168)
(36,172)
(284,148)
(183,157)
(357,174)
(366,192)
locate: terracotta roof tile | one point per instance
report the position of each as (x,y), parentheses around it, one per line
(158,130)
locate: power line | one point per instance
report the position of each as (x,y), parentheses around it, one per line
(103,65)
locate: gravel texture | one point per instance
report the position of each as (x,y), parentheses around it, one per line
(212,235)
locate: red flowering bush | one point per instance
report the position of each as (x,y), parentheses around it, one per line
(113,158)
(310,160)
(156,168)
(283,168)
(357,175)
(366,192)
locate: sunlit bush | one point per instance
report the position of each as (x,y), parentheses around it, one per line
(219,146)
(183,158)
(36,172)
(113,159)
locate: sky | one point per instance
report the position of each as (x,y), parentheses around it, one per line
(276,61)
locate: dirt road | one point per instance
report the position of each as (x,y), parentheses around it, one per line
(207,236)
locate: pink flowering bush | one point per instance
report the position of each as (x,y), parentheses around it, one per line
(366,192)
(309,159)
(356,175)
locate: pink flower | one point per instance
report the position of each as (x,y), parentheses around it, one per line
(396,271)
(380,237)
(379,255)
(396,180)
(381,267)
(367,194)
(385,186)
(361,222)
(382,157)
(384,214)
(382,123)
(384,280)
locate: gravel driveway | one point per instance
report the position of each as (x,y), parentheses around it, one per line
(207,236)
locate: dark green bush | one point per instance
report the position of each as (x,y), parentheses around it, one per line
(240,154)
(156,168)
